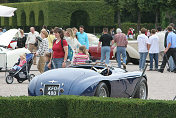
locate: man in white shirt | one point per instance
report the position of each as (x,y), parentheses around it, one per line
(153,47)
(30,42)
(161,36)
(142,40)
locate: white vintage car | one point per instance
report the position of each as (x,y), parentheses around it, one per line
(8,57)
(132,52)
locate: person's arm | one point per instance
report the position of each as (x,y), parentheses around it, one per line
(148,46)
(78,43)
(169,38)
(41,49)
(148,42)
(167,48)
(65,56)
(49,64)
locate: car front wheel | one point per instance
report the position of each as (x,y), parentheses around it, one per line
(142,91)
(102,90)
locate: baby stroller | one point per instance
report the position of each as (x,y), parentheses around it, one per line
(23,73)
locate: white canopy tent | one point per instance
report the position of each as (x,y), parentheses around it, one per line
(6,11)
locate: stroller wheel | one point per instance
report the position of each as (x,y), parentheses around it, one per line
(31,76)
(9,79)
(20,81)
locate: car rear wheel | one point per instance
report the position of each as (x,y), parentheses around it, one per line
(135,61)
(9,79)
(31,76)
(102,90)
(128,59)
(142,91)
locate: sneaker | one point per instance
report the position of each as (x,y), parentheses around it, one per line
(124,66)
(174,70)
(161,71)
(156,69)
(150,70)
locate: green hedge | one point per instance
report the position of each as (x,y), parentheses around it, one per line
(58,13)
(84,107)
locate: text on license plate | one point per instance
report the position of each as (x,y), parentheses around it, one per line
(51,90)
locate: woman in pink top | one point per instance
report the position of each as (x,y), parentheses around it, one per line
(22,62)
(82,56)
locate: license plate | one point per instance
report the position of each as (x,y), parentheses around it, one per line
(51,90)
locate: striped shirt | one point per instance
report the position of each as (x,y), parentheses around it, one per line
(43,48)
(80,58)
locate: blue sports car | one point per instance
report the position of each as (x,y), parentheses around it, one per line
(90,80)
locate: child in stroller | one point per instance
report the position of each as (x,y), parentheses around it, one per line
(21,63)
(21,69)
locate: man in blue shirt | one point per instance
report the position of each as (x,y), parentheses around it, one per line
(82,37)
(170,49)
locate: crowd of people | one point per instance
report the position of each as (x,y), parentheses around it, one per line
(158,44)
(59,48)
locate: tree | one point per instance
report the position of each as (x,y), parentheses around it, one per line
(118,6)
(3,1)
(132,7)
(156,6)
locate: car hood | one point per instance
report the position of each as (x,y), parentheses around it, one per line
(66,77)
(6,37)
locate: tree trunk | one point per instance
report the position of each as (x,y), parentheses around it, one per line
(119,22)
(156,19)
(139,21)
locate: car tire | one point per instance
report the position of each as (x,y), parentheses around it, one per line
(128,59)
(135,61)
(102,90)
(9,79)
(31,76)
(0,69)
(142,91)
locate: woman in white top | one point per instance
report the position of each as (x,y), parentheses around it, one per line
(43,49)
(72,41)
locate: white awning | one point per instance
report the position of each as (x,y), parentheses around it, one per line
(6,11)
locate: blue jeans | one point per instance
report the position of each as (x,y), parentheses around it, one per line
(172,65)
(121,50)
(155,57)
(46,67)
(142,60)
(16,67)
(105,50)
(57,62)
